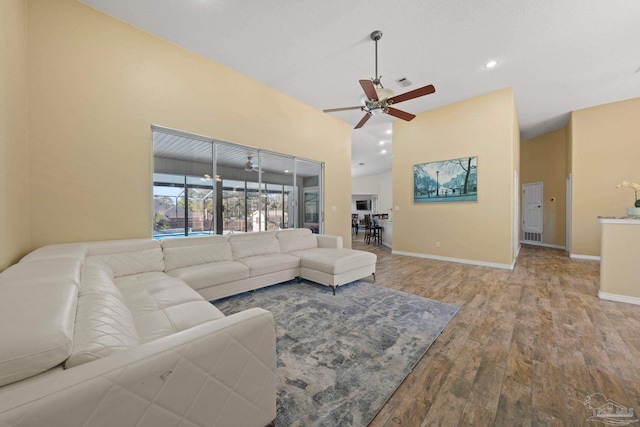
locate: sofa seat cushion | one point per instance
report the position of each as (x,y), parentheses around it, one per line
(36,326)
(162,305)
(186,251)
(253,244)
(272,263)
(334,260)
(104,325)
(215,273)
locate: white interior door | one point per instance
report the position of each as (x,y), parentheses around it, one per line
(532,196)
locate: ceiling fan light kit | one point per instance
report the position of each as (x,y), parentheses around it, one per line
(378,100)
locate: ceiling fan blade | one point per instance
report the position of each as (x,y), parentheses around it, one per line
(426,90)
(369,89)
(331,110)
(400,114)
(363,121)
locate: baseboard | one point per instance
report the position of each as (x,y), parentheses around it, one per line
(546,245)
(458,260)
(590,257)
(518,251)
(618,298)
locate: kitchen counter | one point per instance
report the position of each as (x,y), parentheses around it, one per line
(619,255)
(387,232)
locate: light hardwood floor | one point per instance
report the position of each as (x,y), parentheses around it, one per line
(526,348)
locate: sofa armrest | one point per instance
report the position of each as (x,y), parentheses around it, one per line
(220,373)
(327,241)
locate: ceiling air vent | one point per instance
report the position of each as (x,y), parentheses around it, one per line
(403,82)
(638,70)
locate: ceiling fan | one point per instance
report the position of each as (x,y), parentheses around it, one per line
(250,167)
(377,99)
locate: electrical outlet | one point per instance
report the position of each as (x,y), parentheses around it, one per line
(437,244)
(333,208)
(397,208)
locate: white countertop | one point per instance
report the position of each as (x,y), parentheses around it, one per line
(619,219)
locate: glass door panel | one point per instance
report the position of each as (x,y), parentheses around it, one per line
(182,184)
(199,205)
(234,218)
(255,216)
(309,179)
(168,219)
(278,183)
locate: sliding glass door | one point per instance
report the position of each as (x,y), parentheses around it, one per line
(202,186)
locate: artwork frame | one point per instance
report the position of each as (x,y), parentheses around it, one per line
(445,181)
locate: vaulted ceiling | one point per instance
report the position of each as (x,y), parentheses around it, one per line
(558,55)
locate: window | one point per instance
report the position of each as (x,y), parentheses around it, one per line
(202,186)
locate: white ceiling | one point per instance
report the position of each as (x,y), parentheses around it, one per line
(558,55)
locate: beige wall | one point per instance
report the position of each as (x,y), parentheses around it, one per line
(97,85)
(476,231)
(605,145)
(619,269)
(14,167)
(543,159)
(515,187)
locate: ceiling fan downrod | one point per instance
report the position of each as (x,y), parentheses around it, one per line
(375,36)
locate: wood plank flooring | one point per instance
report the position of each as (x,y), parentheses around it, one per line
(526,348)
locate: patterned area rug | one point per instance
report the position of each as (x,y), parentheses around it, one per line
(341,357)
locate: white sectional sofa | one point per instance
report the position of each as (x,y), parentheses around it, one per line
(219,266)
(120,333)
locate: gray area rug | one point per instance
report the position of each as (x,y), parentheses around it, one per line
(341,357)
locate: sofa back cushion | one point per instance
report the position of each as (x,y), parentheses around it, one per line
(296,240)
(253,244)
(36,327)
(187,251)
(126,257)
(103,324)
(64,250)
(48,270)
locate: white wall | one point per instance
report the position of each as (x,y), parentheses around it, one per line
(386,192)
(382,185)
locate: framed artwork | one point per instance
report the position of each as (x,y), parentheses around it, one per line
(446,181)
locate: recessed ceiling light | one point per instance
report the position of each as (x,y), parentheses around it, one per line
(491,64)
(286,171)
(389,132)
(381,142)
(384,151)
